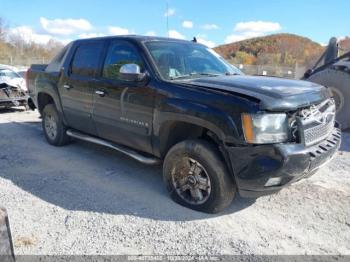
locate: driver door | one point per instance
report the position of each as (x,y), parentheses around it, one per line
(123,110)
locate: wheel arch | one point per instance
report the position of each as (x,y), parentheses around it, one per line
(178,119)
(173,127)
(44,99)
(47,92)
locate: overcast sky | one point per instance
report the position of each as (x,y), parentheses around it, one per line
(212,22)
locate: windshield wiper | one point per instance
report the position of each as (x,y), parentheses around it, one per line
(206,74)
(193,74)
(232,74)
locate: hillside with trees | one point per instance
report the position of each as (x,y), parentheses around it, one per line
(15,50)
(279,49)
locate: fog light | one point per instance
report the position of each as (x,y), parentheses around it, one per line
(274,181)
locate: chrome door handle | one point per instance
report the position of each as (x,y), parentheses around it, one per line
(100,92)
(67,86)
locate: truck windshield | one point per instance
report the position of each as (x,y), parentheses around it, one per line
(186,60)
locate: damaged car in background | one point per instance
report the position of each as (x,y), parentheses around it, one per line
(13,89)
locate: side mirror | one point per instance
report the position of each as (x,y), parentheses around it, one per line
(131,72)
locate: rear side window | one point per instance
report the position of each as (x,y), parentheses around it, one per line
(86,59)
(119,54)
(57,62)
(58,58)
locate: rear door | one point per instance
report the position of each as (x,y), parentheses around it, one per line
(77,85)
(123,111)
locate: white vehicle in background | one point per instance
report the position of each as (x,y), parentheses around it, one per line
(13,88)
(12,78)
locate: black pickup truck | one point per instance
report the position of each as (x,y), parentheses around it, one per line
(158,100)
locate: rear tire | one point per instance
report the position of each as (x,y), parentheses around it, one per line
(339,83)
(53,127)
(197,177)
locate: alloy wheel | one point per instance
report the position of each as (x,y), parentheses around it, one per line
(50,126)
(191,181)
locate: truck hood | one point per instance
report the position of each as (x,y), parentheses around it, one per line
(275,94)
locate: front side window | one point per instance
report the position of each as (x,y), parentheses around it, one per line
(179,60)
(119,54)
(86,59)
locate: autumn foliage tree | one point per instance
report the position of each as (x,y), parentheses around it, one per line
(278,50)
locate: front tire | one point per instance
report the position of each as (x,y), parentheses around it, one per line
(53,127)
(197,177)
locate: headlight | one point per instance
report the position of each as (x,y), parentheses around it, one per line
(265,128)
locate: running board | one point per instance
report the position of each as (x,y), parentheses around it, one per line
(131,153)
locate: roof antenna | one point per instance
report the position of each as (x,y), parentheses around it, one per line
(194,39)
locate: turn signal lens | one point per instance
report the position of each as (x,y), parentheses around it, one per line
(248,128)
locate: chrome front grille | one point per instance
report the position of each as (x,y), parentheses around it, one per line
(317,122)
(317,133)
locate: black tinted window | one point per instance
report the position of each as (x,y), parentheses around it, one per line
(120,53)
(56,63)
(58,58)
(86,57)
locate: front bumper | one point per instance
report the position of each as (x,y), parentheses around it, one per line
(253,166)
(15,98)
(13,102)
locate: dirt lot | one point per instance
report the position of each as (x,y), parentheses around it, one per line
(85,199)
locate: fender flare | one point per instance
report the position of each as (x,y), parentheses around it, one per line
(49,88)
(178,110)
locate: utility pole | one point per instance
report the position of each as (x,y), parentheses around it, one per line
(167,18)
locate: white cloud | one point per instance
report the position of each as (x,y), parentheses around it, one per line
(90,35)
(234,38)
(176,34)
(208,43)
(150,33)
(64,41)
(170,12)
(115,30)
(210,27)
(245,30)
(239,37)
(257,26)
(64,26)
(187,24)
(29,35)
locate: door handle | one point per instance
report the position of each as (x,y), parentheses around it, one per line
(100,92)
(67,86)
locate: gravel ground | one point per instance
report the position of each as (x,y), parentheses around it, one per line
(85,199)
